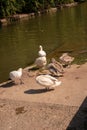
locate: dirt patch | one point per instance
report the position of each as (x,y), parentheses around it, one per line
(34,116)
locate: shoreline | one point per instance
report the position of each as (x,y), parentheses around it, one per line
(34,72)
(18,17)
(22,106)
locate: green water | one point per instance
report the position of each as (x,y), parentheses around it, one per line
(65,30)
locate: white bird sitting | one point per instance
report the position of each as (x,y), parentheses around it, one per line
(65,59)
(48,81)
(55,68)
(16,75)
(41,62)
(41,52)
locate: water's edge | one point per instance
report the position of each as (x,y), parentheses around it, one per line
(17,17)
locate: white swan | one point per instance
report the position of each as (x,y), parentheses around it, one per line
(48,81)
(16,75)
(41,52)
(41,62)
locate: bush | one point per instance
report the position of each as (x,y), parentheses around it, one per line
(10,7)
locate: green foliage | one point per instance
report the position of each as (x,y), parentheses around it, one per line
(31,6)
(19,5)
(7,7)
(10,7)
(63,1)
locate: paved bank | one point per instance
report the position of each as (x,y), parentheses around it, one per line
(29,106)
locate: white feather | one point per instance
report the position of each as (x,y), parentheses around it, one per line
(48,81)
(41,52)
(41,61)
(16,74)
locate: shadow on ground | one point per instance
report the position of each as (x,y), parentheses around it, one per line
(7,85)
(79,121)
(36,91)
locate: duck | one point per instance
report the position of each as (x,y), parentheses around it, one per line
(65,59)
(48,81)
(41,52)
(55,68)
(16,75)
(41,62)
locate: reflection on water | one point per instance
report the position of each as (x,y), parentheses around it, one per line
(65,30)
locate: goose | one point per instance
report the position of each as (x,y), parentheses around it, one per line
(49,82)
(41,52)
(65,59)
(16,75)
(41,62)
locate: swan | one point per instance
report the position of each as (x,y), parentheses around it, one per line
(49,82)
(65,59)
(16,75)
(41,52)
(41,62)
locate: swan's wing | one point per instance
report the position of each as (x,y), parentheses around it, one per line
(45,81)
(13,74)
(42,53)
(51,77)
(56,83)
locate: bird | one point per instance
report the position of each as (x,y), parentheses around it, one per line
(48,81)
(55,68)
(16,75)
(41,52)
(41,62)
(65,59)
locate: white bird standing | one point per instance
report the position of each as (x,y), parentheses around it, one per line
(41,52)
(41,61)
(48,81)
(16,75)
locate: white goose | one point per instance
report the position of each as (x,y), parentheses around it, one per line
(41,52)
(16,75)
(41,62)
(48,81)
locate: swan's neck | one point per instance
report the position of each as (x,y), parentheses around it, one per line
(20,70)
(41,48)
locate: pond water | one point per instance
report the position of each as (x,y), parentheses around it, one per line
(59,32)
